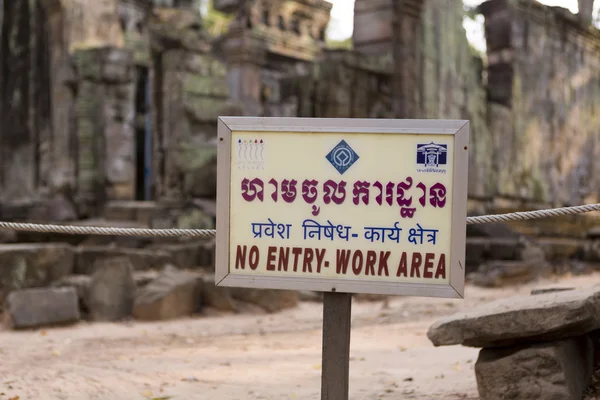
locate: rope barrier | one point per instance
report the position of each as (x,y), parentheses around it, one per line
(146,232)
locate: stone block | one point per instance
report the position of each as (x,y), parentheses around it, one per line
(111,289)
(140,259)
(173,294)
(504,322)
(216,297)
(28,265)
(270,300)
(32,308)
(550,371)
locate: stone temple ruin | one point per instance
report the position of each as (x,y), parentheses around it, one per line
(109,116)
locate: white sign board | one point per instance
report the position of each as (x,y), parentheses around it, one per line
(348,205)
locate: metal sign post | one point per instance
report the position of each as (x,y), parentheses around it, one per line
(342,206)
(337,313)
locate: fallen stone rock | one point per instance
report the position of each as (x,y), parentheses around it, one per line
(270,300)
(111,289)
(32,308)
(29,265)
(140,259)
(216,297)
(550,371)
(172,295)
(548,316)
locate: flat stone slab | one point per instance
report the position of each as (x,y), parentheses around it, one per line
(32,308)
(547,316)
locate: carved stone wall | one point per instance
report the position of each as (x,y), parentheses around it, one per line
(544,88)
(451,86)
(189,92)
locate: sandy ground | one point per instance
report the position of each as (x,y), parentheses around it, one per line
(271,357)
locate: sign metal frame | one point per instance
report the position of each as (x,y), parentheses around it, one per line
(459,129)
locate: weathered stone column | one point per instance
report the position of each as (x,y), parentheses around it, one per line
(245,54)
(407,72)
(105,127)
(373,21)
(72,25)
(58,155)
(586,8)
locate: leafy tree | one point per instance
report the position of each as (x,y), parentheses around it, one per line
(340,44)
(215,22)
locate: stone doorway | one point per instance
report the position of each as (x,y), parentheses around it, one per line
(143,135)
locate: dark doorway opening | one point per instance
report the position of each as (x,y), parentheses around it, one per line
(142,134)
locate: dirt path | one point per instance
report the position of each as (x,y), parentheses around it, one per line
(273,357)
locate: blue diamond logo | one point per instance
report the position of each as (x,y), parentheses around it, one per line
(342,157)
